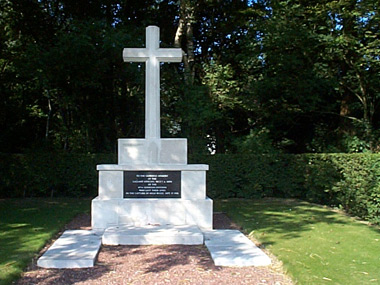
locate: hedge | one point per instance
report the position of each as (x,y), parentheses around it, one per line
(348,181)
(351,181)
(41,174)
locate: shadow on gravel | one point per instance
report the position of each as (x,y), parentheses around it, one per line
(181,255)
(166,257)
(65,276)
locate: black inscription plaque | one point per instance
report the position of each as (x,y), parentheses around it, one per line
(152,184)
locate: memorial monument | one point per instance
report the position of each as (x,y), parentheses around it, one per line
(152,185)
(152,196)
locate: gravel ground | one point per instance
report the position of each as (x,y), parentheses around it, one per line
(167,264)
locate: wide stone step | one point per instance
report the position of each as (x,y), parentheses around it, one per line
(232,248)
(153,235)
(73,249)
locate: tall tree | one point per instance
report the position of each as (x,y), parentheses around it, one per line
(311,66)
(294,75)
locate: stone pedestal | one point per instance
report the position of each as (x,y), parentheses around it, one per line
(152,184)
(152,196)
(190,206)
(152,151)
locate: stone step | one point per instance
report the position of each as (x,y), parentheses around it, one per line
(153,235)
(73,249)
(232,248)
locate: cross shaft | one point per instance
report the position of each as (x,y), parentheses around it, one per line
(152,55)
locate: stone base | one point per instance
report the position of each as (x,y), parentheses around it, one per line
(79,248)
(73,249)
(141,212)
(193,179)
(152,235)
(152,151)
(232,248)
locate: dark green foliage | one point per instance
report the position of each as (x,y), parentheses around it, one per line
(44,174)
(257,76)
(247,176)
(350,181)
(359,189)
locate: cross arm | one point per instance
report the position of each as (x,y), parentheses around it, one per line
(169,54)
(135,54)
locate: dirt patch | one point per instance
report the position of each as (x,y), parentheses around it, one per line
(165,264)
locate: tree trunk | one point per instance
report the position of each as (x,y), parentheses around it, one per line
(190,52)
(179,33)
(184,38)
(47,130)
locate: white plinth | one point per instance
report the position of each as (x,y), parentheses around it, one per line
(73,249)
(232,248)
(152,235)
(147,167)
(152,151)
(192,207)
(193,179)
(140,212)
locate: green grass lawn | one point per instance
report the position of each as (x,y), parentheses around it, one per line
(316,244)
(26,225)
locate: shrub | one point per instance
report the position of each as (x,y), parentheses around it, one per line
(44,174)
(349,181)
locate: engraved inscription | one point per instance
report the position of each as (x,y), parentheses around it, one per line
(152,184)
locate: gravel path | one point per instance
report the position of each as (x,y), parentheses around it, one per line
(168,264)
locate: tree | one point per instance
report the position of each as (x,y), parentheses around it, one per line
(294,75)
(306,74)
(355,58)
(72,88)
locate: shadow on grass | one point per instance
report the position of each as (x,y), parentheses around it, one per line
(286,218)
(26,225)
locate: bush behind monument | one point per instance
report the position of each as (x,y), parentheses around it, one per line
(349,181)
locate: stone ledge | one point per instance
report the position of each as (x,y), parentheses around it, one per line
(232,248)
(153,235)
(73,249)
(150,200)
(173,211)
(155,167)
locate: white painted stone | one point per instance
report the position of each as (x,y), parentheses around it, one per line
(226,238)
(110,184)
(132,213)
(133,151)
(117,212)
(173,151)
(152,154)
(152,235)
(232,248)
(152,151)
(199,212)
(193,182)
(146,167)
(152,55)
(104,213)
(235,256)
(73,249)
(193,185)
(151,211)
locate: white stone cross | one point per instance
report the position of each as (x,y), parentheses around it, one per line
(152,55)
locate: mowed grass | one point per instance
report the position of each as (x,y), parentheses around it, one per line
(26,225)
(316,244)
